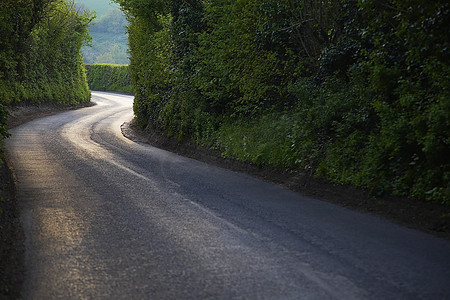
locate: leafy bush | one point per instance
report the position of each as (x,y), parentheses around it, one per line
(354,91)
(40,59)
(43,54)
(3,119)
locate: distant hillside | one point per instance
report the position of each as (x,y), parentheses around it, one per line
(109,38)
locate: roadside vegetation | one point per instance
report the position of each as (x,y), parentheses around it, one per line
(40,58)
(356,92)
(109,77)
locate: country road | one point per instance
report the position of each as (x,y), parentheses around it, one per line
(108,218)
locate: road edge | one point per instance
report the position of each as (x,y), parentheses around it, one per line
(430,218)
(12,241)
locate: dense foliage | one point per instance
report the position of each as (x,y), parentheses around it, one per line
(354,91)
(108,77)
(40,57)
(44,63)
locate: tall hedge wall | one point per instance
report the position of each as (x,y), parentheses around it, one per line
(40,54)
(354,91)
(109,77)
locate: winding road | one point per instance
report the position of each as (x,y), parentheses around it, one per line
(108,218)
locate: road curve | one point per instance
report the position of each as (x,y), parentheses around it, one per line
(108,218)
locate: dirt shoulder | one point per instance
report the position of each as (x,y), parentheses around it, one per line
(11,237)
(427,217)
(24,113)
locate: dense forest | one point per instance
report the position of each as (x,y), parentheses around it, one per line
(109,39)
(356,92)
(40,60)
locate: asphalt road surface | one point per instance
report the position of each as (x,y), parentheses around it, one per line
(108,218)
